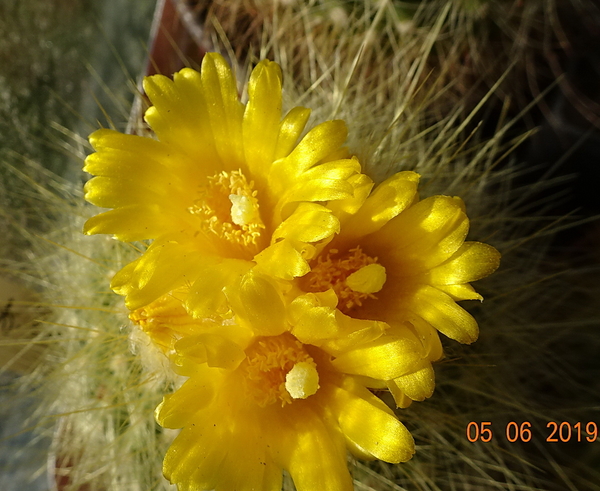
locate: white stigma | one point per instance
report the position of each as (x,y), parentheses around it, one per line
(302,380)
(368,279)
(243,210)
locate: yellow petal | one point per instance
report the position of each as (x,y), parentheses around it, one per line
(387,201)
(318,143)
(192,465)
(344,208)
(262,117)
(179,114)
(316,321)
(370,425)
(424,235)
(286,174)
(385,358)
(248,466)
(445,315)
(165,266)
(312,322)
(206,297)
(312,438)
(400,398)
(134,222)
(353,333)
(225,111)
(131,156)
(285,259)
(312,190)
(177,409)
(460,292)
(216,350)
(429,337)
(418,385)
(224,445)
(258,304)
(139,158)
(290,130)
(473,261)
(111,192)
(310,222)
(334,169)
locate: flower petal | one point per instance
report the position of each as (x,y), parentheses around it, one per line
(111,192)
(473,261)
(216,350)
(258,304)
(345,208)
(318,143)
(134,157)
(370,425)
(177,409)
(321,189)
(385,358)
(444,314)
(286,174)
(165,266)
(310,222)
(290,130)
(424,235)
(262,117)
(134,222)
(313,318)
(206,297)
(418,385)
(388,200)
(460,292)
(285,259)
(192,465)
(312,437)
(225,111)
(316,321)
(179,114)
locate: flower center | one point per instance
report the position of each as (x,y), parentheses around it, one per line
(354,277)
(228,207)
(279,369)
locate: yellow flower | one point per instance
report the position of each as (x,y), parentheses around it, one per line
(224,186)
(397,260)
(260,399)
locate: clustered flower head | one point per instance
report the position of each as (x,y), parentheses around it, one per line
(280,280)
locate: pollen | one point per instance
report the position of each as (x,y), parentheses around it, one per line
(228,207)
(353,276)
(278,369)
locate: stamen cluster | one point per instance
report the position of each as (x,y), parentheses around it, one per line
(228,207)
(333,273)
(268,363)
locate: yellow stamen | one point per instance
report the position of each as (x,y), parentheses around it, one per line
(353,276)
(279,369)
(228,207)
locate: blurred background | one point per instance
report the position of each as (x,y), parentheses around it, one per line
(70,66)
(66,66)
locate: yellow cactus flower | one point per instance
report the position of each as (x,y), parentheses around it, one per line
(260,399)
(397,260)
(224,185)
